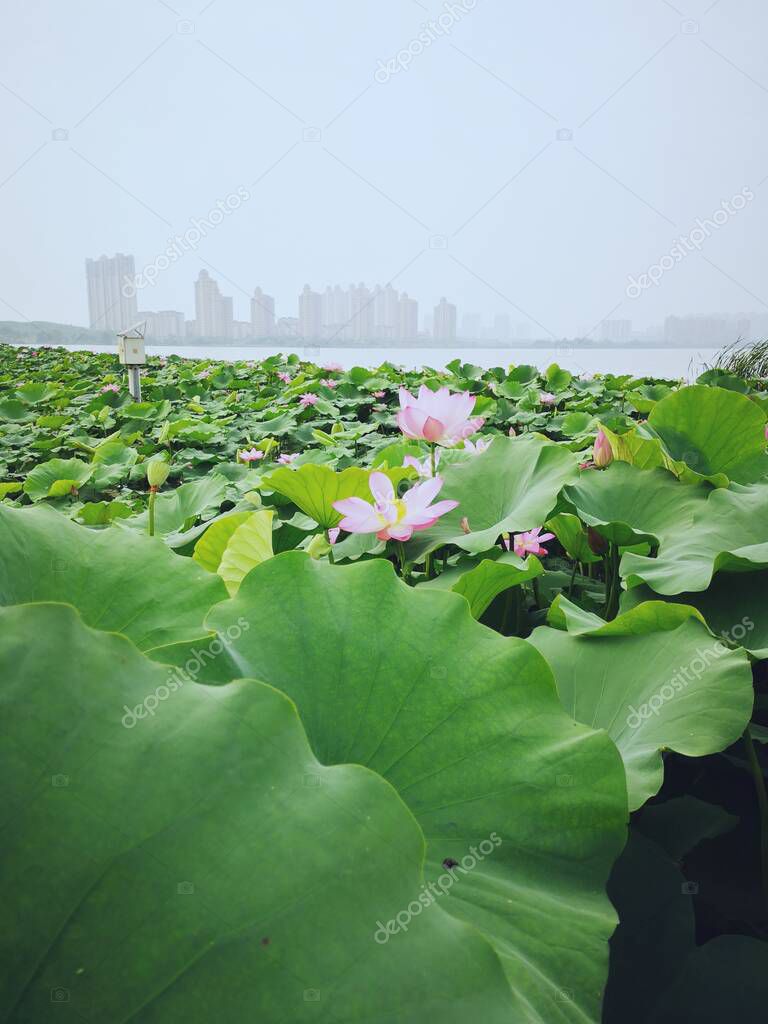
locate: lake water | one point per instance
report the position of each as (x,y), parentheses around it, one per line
(656,362)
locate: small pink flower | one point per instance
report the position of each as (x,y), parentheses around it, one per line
(250,456)
(109,387)
(512,432)
(307,399)
(329,383)
(478,447)
(287,459)
(390,517)
(333,367)
(602,451)
(529,543)
(437,416)
(378,394)
(547,398)
(285,378)
(333,534)
(423,467)
(203,374)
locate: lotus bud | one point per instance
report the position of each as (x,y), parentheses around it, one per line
(337,428)
(512,432)
(318,547)
(157,472)
(602,452)
(464,524)
(597,542)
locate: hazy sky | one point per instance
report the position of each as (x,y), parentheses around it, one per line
(453,174)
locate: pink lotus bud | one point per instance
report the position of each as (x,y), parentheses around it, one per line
(464,524)
(602,452)
(512,432)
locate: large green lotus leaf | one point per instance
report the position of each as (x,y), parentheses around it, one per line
(57,477)
(467,727)
(728,532)
(734,606)
(481,582)
(725,979)
(176,509)
(249,546)
(112,462)
(699,434)
(651,690)
(195,862)
(713,431)
(14,411)
(314,488)
(649,616)
(628,505)
(118,581)
(571,533)
(210,547)
(512,486)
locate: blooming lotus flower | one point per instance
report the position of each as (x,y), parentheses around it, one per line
(109,387)
(251,456)
(390,517)
(378,394)
(547,398)
(329,383)
(602,451)
(287,459)
(308,399)
(529,543)
(437,416)
(477,447)
(285,377)
(423,467)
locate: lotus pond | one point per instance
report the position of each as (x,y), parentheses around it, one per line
(377,696)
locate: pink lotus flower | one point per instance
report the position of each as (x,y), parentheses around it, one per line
(109,387)
(378,394)
(437,416)
(333,534)
(528,543)
(602,453)
(512,432)
(477,447)
(547,398)
(307,399)
(250,456)
(390,517)
(329,383)
(333,367)
(285,378)
(287,459)
(423,467)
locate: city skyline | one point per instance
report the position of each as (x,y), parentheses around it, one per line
(360,314)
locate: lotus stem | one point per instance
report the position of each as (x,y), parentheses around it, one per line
(152,496)
(612,583)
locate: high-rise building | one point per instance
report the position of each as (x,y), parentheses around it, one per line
(445,321)
(361,313)
(472,326)
(697,330)
(262,314)
(408,322)
(386,306)
(502,327)
(167,323)
(617,331)
(112,304)
(310,313)
(213,311)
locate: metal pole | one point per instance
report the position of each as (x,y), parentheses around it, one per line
(134,382)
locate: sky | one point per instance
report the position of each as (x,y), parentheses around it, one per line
(542,159)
